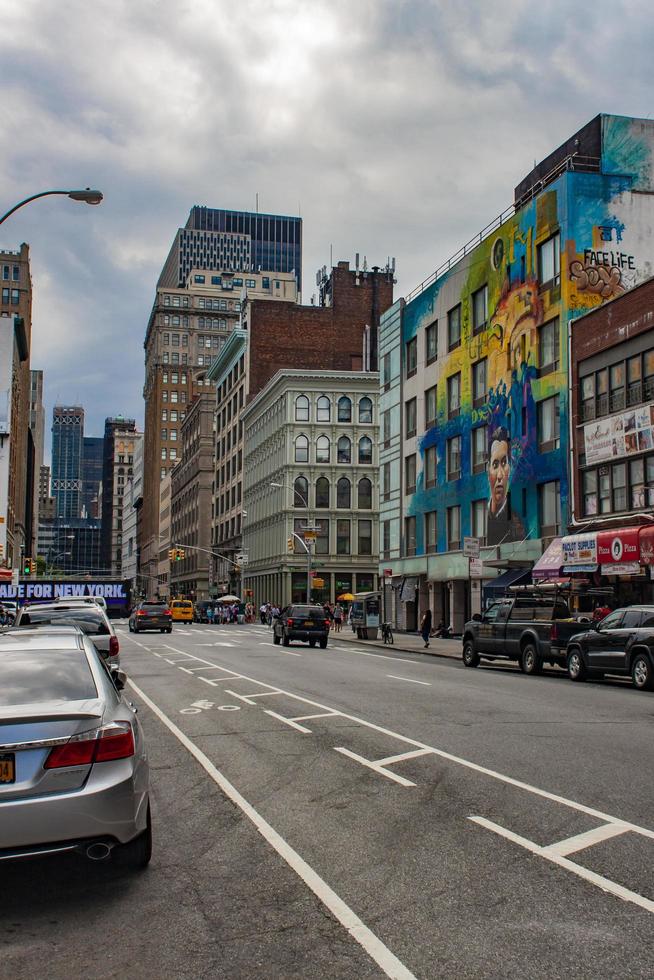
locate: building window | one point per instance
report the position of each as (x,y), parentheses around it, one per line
(548,347)
(589,484)
(344,409)
(343,450)
(365,450)
(365,537)
(410,474)
(365,411)
(479,443)
(302,408)
(453,395)
(386,426)
(386,371)
(301,492)
(198,279)
(164,452)
(323,409)
(549,508)
(616,387)
(164,433)
(302,449)
(479,512)
(342,537)
(453,528)
(322,492)
(430,467)
(343,494)
(454,458)
(411,352)
(164,415)
(587,397)
(174,397)
(454,328)
(430,407)
(431,342)
(386,481)
(364,494)
(479,309)
(409,536)
(430,532)
(322,537)
(549,262)
(322,449)
(479,383)
(386,539)
(548,425)
(410,417)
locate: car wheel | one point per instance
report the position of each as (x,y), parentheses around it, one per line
(530,661)
(323,644)
(641,673)
(163,629)
(470,657)
(577,670)
(276,639)
(136,855)
(169,630)
(286,641)
(130,627)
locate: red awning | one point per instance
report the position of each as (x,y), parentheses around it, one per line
(646,540)
(618,547)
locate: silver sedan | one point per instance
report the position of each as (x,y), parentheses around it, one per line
(74,773)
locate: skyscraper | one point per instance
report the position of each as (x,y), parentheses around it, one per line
(92,475)
(37,428)
(67,449)
(120,438)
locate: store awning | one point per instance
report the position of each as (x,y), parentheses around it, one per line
(549,564)
(409,586)
(647,545)
(498,586)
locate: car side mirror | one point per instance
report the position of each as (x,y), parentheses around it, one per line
(119,678)
(477,618)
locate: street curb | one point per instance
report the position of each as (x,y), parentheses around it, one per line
(400,649)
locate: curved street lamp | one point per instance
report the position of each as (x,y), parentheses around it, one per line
(86,195)
(310,526)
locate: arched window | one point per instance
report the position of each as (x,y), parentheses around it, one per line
(301,492)
(343,493)
(323,409)
(365,494)
(344,450)
(302,449)
(365,450)
(322,492)
(344,409)
(365,410)
(301,408)
(322,449)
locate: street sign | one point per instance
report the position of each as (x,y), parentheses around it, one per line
(388,572)
(15,577)
(318,583)
(471,547)
(476,568)
(242,559)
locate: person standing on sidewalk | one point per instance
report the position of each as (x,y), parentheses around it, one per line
(425,626)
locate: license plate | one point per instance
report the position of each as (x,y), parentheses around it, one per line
(7,768)
(308,622)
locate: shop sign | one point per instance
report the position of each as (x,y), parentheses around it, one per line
(626,568)
(476,568)
(646,539)
(619,435)
(471,547)
(618,547)
(580,549)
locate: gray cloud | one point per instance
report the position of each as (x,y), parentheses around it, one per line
(399,128)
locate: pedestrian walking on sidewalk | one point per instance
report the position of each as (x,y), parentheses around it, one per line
(425,626)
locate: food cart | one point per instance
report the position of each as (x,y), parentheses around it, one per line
(365,615)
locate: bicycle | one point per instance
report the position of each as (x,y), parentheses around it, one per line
(387,633)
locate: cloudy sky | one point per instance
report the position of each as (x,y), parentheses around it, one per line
(395,127)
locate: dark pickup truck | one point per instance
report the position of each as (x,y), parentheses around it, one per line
(530,629)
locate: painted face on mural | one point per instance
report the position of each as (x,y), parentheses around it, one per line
(499,470)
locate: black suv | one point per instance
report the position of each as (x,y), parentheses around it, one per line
(622,643)
(306,623)
(151,616)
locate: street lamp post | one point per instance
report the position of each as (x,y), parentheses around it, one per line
(310,526)
(62,554)
(86,195)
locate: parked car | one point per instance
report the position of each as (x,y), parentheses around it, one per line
(306,623)
(89,616)
(622,643)
(74,774)
(182,610)
(151,616)
(530,628)
(8,610)
(99,600)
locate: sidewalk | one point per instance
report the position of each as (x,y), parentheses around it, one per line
(404,643)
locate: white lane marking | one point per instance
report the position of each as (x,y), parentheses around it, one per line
(264,643)
(403,756)
(581,841)
(409,680)
(374,947)
(289,653)
(288,721)
(375,766)
(247,698)
(379,656)
(321,714)
(599,880)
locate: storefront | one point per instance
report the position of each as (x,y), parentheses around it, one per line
(621,559)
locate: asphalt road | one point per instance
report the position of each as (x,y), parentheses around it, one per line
(357,813)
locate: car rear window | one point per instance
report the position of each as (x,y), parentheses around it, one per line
(151,608)
(183,605)
(307,612)
(89,619)
(39,676)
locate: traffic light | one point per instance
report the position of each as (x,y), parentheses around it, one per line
(290,545)
(181,554)
(172,554)
(29,566)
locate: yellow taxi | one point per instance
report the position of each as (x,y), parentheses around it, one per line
(182,610)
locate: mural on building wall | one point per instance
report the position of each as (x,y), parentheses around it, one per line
(523,341)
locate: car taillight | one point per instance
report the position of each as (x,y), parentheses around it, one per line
(167,612)
(289,622)
(114,646)
(141,612)
(114,741)
(554,635)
